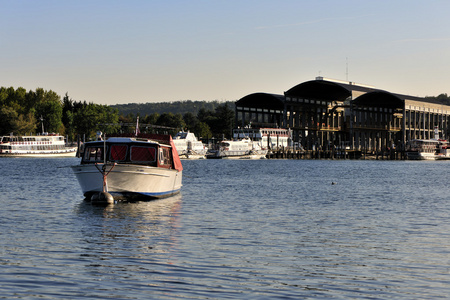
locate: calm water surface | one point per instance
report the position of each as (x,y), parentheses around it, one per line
(239,230)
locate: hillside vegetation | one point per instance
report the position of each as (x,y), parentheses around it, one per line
(28,112)
(177,107)
(31,112)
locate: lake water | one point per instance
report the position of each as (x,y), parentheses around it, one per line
(240,230)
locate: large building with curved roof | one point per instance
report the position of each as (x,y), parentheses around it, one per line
(324,113)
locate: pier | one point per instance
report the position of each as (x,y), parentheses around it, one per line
(291,153)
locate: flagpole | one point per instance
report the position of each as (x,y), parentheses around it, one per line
(137,127)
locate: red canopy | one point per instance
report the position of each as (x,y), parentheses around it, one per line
(160,138)
(176,159)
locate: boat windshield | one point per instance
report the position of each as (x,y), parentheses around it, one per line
(118,153)
(94,153)
(143,154)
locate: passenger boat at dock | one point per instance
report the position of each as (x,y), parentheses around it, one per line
(132,168)
(35,146)
(188,146)
(238,149)
(251,143)
(428,149)
(269,138)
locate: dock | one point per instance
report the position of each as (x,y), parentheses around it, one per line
(291,153)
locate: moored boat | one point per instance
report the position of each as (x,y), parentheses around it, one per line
(270,138)
(188,146)
(251,143)
(130,168)
(428,149)
(238,149)
(36,145)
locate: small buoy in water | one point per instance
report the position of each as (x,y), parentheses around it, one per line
(333,183)
(102,198)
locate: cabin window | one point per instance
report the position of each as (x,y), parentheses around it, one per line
(165,158)
(93,154)
(161,156)
(118,152)
(143,154)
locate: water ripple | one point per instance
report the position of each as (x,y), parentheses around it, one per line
(239,230)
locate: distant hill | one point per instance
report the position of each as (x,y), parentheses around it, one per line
(181,107)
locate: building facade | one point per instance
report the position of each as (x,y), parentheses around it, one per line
(325,113)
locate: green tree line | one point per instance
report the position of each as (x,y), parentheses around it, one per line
(442,98)
(205,124)
(175,107)
(30,112)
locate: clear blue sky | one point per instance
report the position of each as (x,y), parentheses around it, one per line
(110,52)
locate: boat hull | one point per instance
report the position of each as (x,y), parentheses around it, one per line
(70,152)
(255,154)
(129,182)
(192,156)
(422,156)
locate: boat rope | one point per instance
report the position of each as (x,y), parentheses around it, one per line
(105,174)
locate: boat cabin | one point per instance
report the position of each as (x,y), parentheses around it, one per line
(427,146)
(129,151)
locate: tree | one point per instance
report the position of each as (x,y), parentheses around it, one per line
(49,107)
(204,114)
(190,120)
(7,117)
(84,120)
(151,119)
(12,122)
(25,124)
(15,116)
(91,118)
(107,119)
(226,117)
(171,120)
(67,117)
(442,98)
(202,131)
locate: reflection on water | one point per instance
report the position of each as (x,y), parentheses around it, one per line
(149,226)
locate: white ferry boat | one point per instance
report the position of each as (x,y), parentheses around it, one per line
(39,145)
(251,143)
(428,149)
(270,138)
(243,149)
(130,168)
(188,146)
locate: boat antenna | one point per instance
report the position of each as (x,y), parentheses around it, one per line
(104,149)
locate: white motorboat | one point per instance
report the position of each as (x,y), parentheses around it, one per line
(188,146)
(130,168)
(239,149)
(36,145)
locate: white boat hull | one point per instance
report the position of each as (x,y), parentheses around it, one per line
(422,156)
(192,156)
(70,152)
(255,154)
(129,181)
